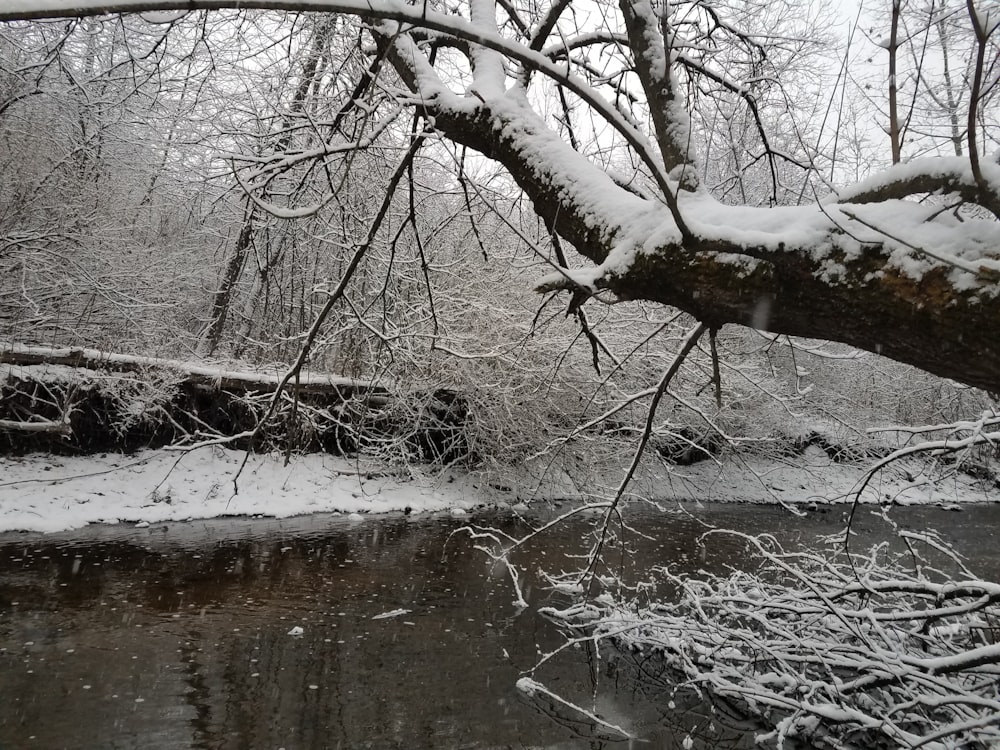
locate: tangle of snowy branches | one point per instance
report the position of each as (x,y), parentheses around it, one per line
(825,650)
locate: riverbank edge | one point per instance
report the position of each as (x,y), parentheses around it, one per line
(47,493)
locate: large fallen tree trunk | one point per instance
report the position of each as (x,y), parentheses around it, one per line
(85,400)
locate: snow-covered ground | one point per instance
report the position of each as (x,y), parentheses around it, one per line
(49,493)
(41,492)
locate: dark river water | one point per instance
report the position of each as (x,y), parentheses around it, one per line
(178,635)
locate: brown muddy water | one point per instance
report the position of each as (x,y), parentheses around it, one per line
(178,635)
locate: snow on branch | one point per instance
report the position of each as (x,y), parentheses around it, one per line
(213,375)
(37,425)
(825,649)
(915,281)
(929,175)
(568,713)
(958,438)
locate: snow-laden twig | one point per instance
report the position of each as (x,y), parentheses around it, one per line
(564,710)
(960,438)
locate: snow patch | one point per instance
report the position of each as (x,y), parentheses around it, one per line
(48,493)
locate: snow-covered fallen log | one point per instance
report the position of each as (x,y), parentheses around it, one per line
(217,376)
(84,400)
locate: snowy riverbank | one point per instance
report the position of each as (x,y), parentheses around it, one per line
(48,493)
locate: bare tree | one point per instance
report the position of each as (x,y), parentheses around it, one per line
(868,267)
(79,221)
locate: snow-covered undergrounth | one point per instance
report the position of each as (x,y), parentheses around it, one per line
(47,493)
(814,477)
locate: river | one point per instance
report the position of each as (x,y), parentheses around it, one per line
(258,633)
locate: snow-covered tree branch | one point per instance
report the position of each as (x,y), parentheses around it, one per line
(906,263)
(821,650)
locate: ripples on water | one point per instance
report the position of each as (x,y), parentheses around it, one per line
(177,635)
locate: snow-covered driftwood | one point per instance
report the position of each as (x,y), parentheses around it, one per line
(58,427)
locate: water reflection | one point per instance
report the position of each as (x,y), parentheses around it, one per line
(178,636)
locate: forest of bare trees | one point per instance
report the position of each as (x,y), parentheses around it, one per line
(277,187)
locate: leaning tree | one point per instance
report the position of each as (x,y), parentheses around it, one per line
(905,263)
